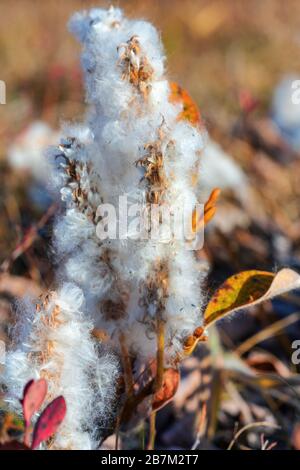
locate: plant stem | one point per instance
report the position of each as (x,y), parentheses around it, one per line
(152,431)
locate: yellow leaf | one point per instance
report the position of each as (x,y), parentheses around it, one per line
(246,289)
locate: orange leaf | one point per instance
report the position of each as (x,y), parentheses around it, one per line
(246,289)
(198,220)
(190,111)
(167,391)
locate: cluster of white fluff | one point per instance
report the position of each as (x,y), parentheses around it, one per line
(131,124)
(55,343)
(25,153)
(219,169)
(131,143)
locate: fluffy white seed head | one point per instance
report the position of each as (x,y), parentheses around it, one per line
(131,144)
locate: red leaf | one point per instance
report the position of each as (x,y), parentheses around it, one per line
(49,421)
(27,387)
(13,445)
(33,396)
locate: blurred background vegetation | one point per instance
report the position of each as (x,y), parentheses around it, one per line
(215,48)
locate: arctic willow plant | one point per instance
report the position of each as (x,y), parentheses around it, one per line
(115,297)
(125,311)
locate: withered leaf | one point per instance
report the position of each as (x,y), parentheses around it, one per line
(246,289)
(167,391)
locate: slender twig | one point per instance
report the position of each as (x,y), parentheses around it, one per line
(158,381)
(28,239)
(266,333)
(128,376)
(249,426)
(117,433)
(133,400)
(152,431)
(201,427)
